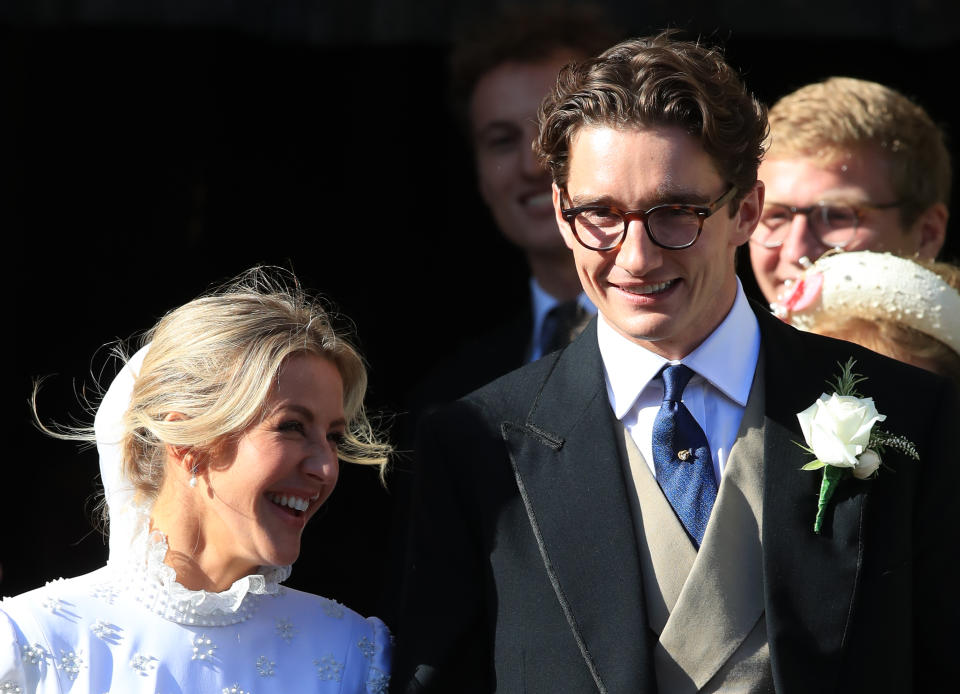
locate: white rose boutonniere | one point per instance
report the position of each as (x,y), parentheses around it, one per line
(837,428)
(840,432)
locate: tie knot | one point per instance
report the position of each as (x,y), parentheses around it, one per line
(675,379)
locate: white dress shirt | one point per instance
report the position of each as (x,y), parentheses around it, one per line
(716,396)
(542,302)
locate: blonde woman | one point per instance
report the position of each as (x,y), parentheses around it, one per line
(218,442)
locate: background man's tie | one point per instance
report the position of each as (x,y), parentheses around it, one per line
(561,324)
(681,455)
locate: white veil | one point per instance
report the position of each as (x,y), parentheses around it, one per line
(108,427)
(127,518)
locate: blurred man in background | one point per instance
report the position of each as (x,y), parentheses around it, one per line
(852,165)
(501,70)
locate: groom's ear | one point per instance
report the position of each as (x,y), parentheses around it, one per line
(748,213)
(562,225)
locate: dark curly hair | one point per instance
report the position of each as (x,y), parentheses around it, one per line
(657,81)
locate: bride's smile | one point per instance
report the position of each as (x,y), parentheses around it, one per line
(256,494)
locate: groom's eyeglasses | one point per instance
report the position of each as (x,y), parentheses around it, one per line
(670,226)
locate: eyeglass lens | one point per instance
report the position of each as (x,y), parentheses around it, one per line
(834,225)
(603,228)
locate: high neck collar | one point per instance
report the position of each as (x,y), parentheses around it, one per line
(143,575)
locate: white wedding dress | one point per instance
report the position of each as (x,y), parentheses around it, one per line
(133,628)
(129,627)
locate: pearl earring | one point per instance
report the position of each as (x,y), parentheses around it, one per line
(193,477)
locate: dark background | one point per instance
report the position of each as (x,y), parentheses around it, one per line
(154,149)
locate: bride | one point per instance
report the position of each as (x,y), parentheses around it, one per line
(218,443)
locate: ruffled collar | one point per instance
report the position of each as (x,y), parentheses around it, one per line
(143,574)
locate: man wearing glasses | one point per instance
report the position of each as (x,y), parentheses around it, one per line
(852,165)
(630,514)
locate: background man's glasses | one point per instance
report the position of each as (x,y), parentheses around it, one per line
(834,224)
(670,226)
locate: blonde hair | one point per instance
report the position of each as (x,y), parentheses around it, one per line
(214,361)
(893,338)
(831,119)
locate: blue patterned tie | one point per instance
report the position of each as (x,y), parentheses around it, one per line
(681,456)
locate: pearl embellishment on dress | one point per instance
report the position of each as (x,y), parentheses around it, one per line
(154,585)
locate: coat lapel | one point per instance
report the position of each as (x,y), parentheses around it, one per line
(810,580)
(570,476)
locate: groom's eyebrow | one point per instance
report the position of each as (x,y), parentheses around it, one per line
(664,195)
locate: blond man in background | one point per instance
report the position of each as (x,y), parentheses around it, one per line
(853,165)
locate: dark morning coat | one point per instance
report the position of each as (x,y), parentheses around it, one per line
(525,574)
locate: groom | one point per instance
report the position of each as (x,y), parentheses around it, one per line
(630,514)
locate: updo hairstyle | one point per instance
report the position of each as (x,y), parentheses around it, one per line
(214,361)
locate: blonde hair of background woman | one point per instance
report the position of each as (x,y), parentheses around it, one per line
(894,338)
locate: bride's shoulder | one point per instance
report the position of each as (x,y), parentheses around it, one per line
(51,614)
(56,593)
(324,611)
(348,639)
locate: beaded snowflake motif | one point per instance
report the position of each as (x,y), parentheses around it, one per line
(143,664)
(70,663)
(265,666)
(52,605)
(235,689)
(106,592)
(378,681)
(35,654)
(203,648)
(105,631)
(331,608)
(286,630)
(367,648)
(10,687)
(328,668)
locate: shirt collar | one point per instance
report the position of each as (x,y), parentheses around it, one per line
(629,367)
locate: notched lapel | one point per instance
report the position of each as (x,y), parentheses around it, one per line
(571,481)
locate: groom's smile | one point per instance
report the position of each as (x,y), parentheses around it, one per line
(667,299)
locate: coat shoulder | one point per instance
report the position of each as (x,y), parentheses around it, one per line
(511,396)
(801,365)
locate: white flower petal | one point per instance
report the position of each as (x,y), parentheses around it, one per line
(867,464)
(837,427)
(806,422)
